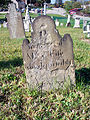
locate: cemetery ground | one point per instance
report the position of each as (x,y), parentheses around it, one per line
(17,102)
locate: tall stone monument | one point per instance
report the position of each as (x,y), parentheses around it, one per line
(27,20)
(48,58)
(15,23)
(45,8)
(68,21)
(57,22)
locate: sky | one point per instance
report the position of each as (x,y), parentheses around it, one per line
(53,1)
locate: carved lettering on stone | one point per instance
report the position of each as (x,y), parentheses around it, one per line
(48,58)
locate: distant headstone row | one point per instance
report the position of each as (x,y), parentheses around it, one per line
(48,58)
(68,24)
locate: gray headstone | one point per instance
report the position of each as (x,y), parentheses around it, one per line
(15,23)
(48,58)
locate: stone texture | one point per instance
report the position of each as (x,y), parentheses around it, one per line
(48,58)
(15,23)
(15,2)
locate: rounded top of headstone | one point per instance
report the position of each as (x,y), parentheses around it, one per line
(11,7)
(43,22)
(44,30)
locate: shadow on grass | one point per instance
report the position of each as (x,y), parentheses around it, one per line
(14,63)
(83,76)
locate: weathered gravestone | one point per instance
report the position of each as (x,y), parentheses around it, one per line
(48,58)
(15,23)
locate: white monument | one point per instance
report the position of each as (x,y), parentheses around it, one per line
(5,24)
(68,20)
(57,22)
(45,8)
(61,24)
(26,20)
(88,30)
(26,25)
(27,16)
(0,25)
(77,23)
(84,25)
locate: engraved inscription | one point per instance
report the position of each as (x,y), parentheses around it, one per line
(48,58)
(53,59)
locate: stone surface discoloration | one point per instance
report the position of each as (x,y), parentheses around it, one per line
(15,23)
(48,58)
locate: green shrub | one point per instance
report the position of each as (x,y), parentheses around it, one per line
(68,5)
(87,10)
(87,2)
(52,6)
(76,5)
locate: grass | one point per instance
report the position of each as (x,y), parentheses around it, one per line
(33,15)
(54,15)
(17,102)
